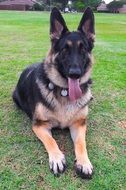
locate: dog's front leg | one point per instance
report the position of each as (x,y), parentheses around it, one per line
(83,165)
(57,161)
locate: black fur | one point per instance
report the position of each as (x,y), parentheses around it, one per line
(72,58)
(27,94)
(72,61)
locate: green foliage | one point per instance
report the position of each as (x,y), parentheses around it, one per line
(38,7)
(60,4)
(81,4)
(93,3)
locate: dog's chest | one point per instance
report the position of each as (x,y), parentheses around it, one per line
(64,114)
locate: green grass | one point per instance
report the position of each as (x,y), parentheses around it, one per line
(24,39)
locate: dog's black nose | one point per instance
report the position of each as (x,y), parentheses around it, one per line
(74,73)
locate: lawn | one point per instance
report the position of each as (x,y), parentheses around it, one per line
(24,39)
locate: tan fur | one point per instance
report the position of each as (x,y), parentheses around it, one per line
(44,135)
(65,115)
(58,30)
(69,43)
(78,134)
(55,76)
(65,112)
(50,58)
(89,69)
(86,29)
(78,43)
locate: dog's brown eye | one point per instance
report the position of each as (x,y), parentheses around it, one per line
(66,48)
(81,46)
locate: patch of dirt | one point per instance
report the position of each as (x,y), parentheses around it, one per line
(122,124)
(40,181)
(62,137)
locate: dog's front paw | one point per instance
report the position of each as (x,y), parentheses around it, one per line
(57,163)
(85,171)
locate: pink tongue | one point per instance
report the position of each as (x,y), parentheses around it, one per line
(74,89)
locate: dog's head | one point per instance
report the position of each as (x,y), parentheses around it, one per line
(70,54)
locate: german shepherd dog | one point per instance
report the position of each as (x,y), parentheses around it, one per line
(56,93)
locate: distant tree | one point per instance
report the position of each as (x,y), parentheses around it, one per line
(77,4)
(81,4)
(93,3)
(115,5)
(61,4)
(39,5)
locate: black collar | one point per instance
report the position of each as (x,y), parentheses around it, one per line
(64,91)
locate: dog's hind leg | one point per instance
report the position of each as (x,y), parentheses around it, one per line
(83,165)
(16,98)
(21,104)
(57,162)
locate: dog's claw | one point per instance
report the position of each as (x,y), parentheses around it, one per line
(57,164)
(85,171)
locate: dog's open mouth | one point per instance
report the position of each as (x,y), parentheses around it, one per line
(75,91)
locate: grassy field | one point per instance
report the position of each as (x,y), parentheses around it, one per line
(24,39)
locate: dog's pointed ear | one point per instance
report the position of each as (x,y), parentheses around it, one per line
(57,24)
(87,24)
